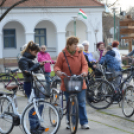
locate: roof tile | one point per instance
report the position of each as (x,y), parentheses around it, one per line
(54,3)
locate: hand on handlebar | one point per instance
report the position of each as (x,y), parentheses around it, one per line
(29,72)
(84,74)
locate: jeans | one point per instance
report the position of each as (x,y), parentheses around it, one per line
(81,96)
(33,119)
(117,81)
(48,81)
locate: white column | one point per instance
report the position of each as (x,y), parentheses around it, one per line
(29,36)
(91,39)
(1,46)
(61,41)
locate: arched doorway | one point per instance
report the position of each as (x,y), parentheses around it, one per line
(45,34)
(13,38)
(81,30)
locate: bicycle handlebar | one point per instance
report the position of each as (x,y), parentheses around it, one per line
(81,75)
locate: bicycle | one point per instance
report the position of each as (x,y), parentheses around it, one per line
(37,111)
(9,77)
(101,93)
(71,106)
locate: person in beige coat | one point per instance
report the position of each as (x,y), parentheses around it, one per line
(100,50)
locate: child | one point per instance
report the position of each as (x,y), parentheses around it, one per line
(108,57)
(26,64)
(44,56)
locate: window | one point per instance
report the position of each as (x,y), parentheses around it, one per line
(40,36)
(9,38)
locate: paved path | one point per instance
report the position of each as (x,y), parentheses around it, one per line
(100,121)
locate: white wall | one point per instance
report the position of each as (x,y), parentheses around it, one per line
(60,17)
(80,30)
(20,39)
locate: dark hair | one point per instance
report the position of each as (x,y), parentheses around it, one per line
(31,46)
(115,43)
(72,40)
(99,43)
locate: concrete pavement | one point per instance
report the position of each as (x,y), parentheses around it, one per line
(101,122)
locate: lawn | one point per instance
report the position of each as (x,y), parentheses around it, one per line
(21,75)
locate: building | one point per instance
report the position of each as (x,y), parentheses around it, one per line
(49,22)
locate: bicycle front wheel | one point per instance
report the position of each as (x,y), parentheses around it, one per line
(37,117)
(128,102)
(73,114)
(6,121)
(99,94)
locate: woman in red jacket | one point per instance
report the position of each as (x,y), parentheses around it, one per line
(78,65)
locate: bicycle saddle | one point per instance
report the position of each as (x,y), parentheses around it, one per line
(13,71)
(108,73)
(12,87)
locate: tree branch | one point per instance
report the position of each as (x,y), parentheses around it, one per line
(113,3)
(2,3)
(5,13)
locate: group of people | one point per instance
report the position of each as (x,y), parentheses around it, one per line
(80,60)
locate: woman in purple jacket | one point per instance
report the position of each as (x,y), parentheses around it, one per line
(44,56)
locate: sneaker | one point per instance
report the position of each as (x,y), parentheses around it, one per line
(35,131)
(43,129)
(67,127)
(85,126)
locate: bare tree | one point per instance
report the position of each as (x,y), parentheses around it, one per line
(2,2)
(109,3)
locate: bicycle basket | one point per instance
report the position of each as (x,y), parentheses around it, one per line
(73,84)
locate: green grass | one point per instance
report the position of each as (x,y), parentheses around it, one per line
(52,73)
(21,75)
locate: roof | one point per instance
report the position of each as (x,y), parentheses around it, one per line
(55,3)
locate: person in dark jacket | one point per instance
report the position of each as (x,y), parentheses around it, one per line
(109,59)
(26,64)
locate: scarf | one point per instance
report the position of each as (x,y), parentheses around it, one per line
(72,53)
(101,51)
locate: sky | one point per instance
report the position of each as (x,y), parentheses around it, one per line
(126,4)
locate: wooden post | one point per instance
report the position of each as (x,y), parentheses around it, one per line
(130,45)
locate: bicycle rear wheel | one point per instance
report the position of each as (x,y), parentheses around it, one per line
(30,119)
(128,102)
(6,121)
(99,94)
(73,114)
(6,80)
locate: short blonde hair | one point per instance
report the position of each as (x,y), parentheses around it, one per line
(43,46)
(80,46)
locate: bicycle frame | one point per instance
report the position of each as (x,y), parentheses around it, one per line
(32,99)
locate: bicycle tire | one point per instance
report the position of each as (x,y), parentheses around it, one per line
(99,96)
(73,114)
(5,118)
(128,98)
(25,123)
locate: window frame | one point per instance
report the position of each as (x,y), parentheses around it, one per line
(45,37)
(15,46)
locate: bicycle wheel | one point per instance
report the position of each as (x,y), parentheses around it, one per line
(30,119)
(128,102)
(73,114)
(6,80)
(99,94)
(6,121)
